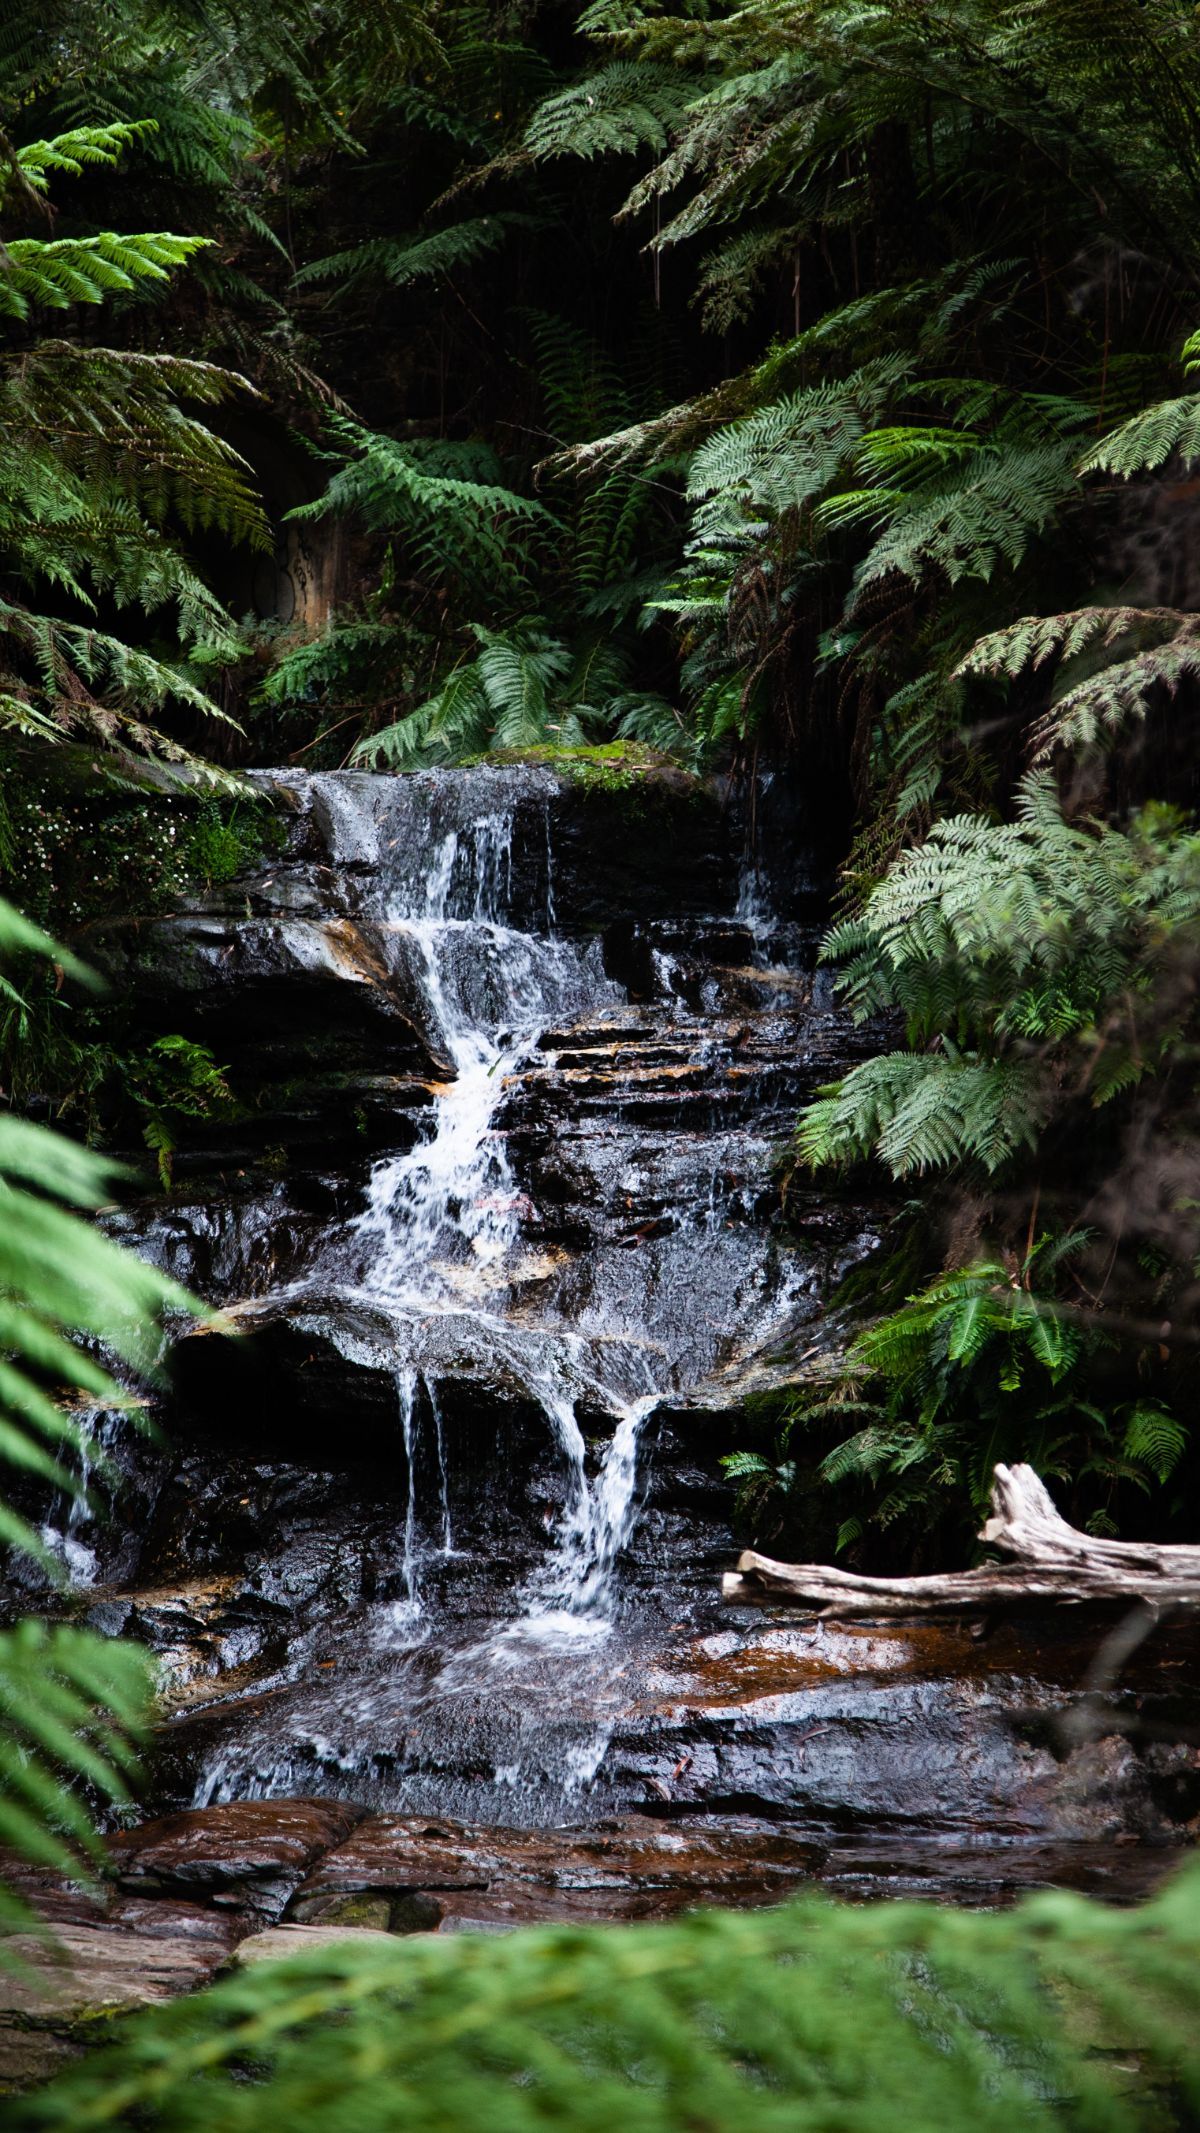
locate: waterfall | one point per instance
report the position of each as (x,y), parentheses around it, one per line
(443,1475)
(442,1221)
(476,1642)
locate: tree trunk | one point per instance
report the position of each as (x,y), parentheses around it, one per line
(1047,1560)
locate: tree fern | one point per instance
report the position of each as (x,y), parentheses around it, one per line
(58,272)
(71,152)
(524,689)
(790,450)
(402,263)
(965,507)
(1149,439)
(922,1111)
(1154,1439)
(985,1362)
(465,526)
(58,1274)
(99,461)
(1002,944)
(732,277)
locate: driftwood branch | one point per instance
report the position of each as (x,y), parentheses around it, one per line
(1046,1561)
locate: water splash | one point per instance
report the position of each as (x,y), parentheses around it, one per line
(601,1520)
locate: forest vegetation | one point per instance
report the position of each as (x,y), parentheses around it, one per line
(800,383)
(809,384)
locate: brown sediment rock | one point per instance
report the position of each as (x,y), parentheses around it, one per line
(247,1856)
(59,1995)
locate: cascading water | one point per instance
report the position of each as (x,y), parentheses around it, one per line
(442,1221)
(573,1224)
(439,1240)
(487,990)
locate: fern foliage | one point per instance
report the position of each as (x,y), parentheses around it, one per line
(448,503)
(524,689)
(100,462)
(621,107)
(73,1703)
(1110,665)
(439,253)
(804,2017)
(990,1361)
(60,1276)
(75,1706)
(1167,429)
(1006,946)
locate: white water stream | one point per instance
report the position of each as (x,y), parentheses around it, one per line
(441,1228)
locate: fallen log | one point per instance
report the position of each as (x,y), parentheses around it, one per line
(1046,1562)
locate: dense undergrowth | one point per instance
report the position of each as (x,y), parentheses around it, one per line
(805,384)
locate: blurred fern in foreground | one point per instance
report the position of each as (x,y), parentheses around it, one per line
(71,1704)
(1060,2014)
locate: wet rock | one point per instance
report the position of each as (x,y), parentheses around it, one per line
(278,1943)
(914,1728)
(201,1630)
(327,1037)
(250,1239)
(443,1876)
(29,2055)
(164,1918)
(59,1998)
(318,1363)
(576,849)
(210,1885)
(247,1857)
(258,978)
(434,1874)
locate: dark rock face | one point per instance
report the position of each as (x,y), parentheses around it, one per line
(439,1533)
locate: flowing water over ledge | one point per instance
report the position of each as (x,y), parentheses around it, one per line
(443,1534)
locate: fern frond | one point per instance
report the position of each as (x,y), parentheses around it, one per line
(428,258)
(829,2012)
(1168,429)
(74,1707)
(456,525)
(1150,649)
(623,106)
(54,273)
(1154,1439)
(922,1111)
(69,153)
